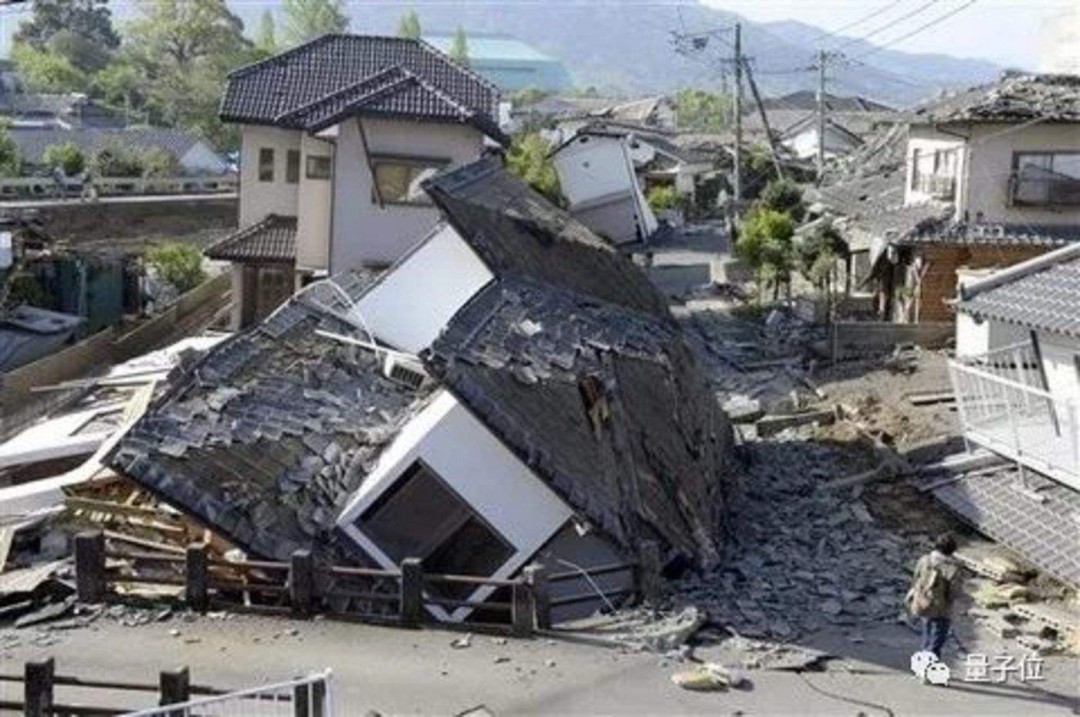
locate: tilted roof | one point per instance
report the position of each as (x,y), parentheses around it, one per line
(266,436)
(519,354)
(316,84)
(1042,293)
(1015,98)
(516,232)
(271,240)
(33,141)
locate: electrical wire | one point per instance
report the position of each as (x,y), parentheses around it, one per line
(861,20)
(919,29)
(922,8)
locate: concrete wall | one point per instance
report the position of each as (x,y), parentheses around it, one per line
(417,298)
(363,232)
(491,479)
(80,222)
(990,162)
(257,199)
(315,200)
(868,338)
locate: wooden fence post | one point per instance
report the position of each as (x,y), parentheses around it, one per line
(38,688)
(175,689)
(301,582)
(536,576)
(649,581)
(196,585)
(90,583)
(412,592)
(522,608)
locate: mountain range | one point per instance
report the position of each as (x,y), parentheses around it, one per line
(628,48)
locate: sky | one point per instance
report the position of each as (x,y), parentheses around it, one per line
(1004,31)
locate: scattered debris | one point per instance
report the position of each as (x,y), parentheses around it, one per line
(708,678)
(463,642)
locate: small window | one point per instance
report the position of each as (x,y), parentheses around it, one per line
(292,166)
(266,164)
(915,168)
(1046,178)
(318,166)
(398,180)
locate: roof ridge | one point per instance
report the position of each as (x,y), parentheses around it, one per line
(341,91)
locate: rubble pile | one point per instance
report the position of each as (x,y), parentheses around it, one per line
(802,558)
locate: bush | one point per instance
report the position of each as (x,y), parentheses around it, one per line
(177,263)
(783,195)
(115,160)
(66,155)
(664,197)
(158,162)
(765,243)
(528,159)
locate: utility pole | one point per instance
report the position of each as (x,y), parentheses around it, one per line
(737,177)
(765,123)
(822,61)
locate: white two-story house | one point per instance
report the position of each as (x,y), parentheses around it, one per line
(337,135)
(992,178)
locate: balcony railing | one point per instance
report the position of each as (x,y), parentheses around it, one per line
(1004,408)
(1044,191)
(936,186)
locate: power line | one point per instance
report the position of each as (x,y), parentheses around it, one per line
(861,20)
(919,29)
(925,6)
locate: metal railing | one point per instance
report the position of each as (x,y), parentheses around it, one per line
(936,186)
(1003,407)
(15,188)
(309,696)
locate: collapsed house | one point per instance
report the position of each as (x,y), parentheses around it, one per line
(512,389)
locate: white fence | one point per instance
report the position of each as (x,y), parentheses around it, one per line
(15,188)
(1004,408)
(303,697)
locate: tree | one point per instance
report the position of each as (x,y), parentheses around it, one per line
(266,35)
(158,162)
(528,159)
(665,197)
(703,110)
(66,155)
(114,159)
(182,50)
(46,71)
(307,19)
(818,254)
(409,25)
(10,159)
(81,31)
(783,195)
(459,48)
(119,84)
(765,243)
(177,263)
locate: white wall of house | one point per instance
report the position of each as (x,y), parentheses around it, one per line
(363,232)
(974,338)
(805,144)
(258,199)
(923,142)
(490,478)
(990,163)
(418,297)
(315,202)
(1059,356)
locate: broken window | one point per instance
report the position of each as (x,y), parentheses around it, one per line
(421,516)
(266,164)
(398,179)
(596,406)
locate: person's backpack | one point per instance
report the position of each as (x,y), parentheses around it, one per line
(929,593)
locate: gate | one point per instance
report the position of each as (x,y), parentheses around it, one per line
(302,697)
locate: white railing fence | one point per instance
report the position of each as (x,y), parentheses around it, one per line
(302,697)
(1003,407)
(14,188)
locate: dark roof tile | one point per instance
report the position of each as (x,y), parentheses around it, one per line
(271,240)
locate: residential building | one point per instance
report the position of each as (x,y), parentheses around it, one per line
(1017,384)
(511,390)
(992,177)
(336,137)
(793,120)
(194,155)
(72,110)
(511,64)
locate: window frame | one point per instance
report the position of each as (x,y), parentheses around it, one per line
(309,165)
(1016,180)
(267,160)
(292,166)
(376,160)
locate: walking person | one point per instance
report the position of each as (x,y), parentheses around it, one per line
(934,589)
